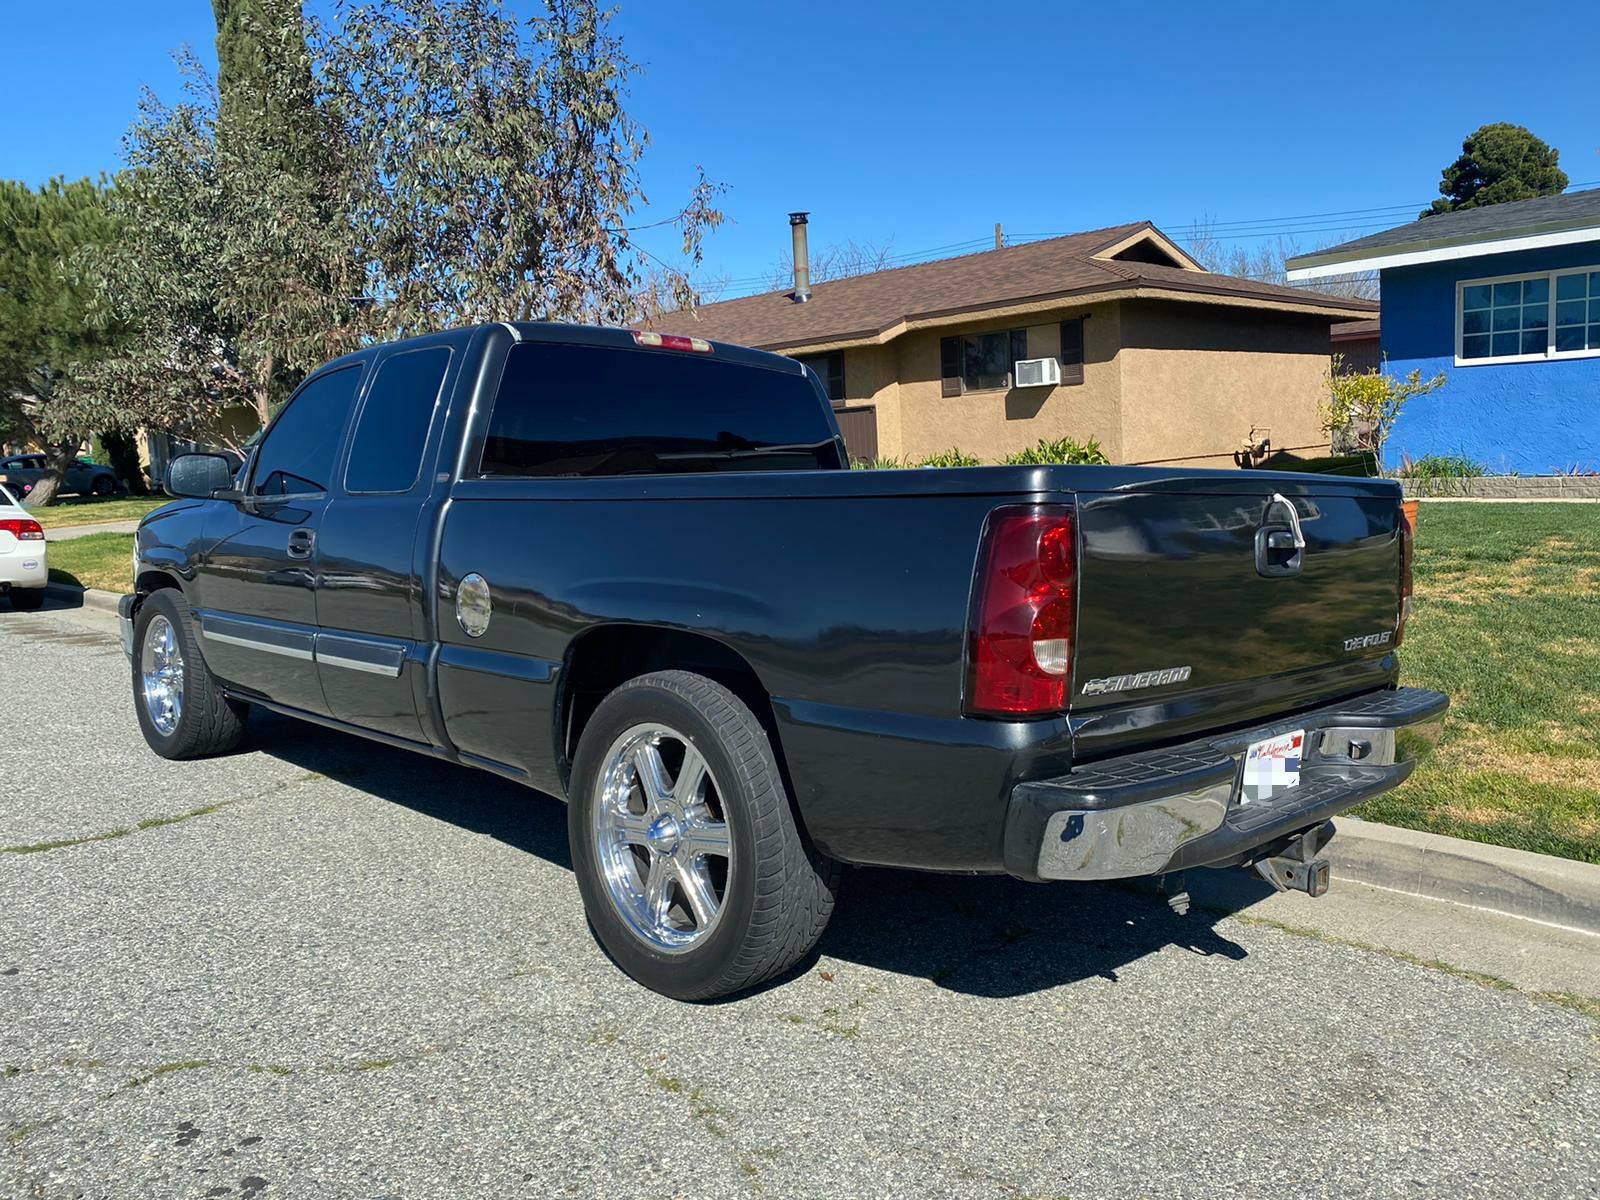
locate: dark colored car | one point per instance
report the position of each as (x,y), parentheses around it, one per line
(21,471)
(634,570)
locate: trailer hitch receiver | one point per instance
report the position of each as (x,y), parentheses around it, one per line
(1298,867)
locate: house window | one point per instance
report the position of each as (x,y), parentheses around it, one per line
(829,369)
(979,361)
(1071,357)
(1527,317)
(1577,321)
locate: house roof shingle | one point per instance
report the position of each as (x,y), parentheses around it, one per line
(869,307)
(1352,331)
(1467,227)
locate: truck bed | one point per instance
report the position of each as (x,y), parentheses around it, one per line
(847,594)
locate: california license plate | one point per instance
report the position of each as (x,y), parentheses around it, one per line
(1271,766)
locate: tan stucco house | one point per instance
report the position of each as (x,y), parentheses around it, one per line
(1160,360)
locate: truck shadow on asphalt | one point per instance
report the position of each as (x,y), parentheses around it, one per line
(988,936)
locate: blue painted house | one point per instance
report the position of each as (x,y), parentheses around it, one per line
(1505,300)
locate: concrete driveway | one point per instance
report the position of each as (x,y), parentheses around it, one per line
(324,968)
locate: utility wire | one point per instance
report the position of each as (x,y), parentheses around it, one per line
(1253,229)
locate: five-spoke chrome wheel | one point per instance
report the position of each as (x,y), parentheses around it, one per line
(661,837)
(161,675)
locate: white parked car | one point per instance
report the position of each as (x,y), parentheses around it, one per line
(23,570)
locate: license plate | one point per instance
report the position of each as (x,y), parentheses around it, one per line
(1271,766)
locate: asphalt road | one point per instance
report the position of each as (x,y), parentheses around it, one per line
(350,972)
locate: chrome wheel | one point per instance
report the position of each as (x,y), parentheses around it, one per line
(661,838)
(161,675)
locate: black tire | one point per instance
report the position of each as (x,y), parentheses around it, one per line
(103,485)
(209,723)
(780,892)
(27,599)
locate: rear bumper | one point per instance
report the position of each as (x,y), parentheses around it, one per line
(1167,810)
(24,569)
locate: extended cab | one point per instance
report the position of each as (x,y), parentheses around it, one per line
(635,571)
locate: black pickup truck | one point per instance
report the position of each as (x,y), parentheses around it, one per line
(634,570)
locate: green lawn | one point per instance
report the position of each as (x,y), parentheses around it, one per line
(1507,621)
(95,560)
(90,510)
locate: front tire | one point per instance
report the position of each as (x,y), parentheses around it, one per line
(695,877)
(104,485)
(182,710)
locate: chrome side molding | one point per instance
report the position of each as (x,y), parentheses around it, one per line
(375,656)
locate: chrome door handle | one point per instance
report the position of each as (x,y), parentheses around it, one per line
(300,543)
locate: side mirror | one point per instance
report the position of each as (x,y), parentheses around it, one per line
(198,475)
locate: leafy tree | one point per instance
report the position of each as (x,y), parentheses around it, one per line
(498,168)
(235,271)
(411,165)
(1364,406)
(1499,162)
(46,339)
(293,288)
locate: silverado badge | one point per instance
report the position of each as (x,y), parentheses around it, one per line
(1127,683)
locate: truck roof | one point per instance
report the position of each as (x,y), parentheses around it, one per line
(558,331)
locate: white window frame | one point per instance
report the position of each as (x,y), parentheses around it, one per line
(1550,351)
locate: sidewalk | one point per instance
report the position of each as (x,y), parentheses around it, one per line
(68,532)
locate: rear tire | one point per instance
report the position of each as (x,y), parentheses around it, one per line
(181,708)
(747,896)
(104,485)
(27,599)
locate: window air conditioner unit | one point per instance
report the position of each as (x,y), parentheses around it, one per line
(1037,372)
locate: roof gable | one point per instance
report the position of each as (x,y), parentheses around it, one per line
(1148,245)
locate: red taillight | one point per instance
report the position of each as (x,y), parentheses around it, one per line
(22,529)
(1024,615)
(1408,550)
(670,341)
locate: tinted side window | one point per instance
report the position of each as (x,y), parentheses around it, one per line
(386,452)
(592,410)
(297,454)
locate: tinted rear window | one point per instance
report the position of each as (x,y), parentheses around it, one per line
(386,454)
(591,410)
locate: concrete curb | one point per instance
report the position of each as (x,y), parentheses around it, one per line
(79,597)
(1516,883)
(1506,487)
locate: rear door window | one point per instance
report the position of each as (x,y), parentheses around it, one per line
(386,451)
(296,457)
(597,410)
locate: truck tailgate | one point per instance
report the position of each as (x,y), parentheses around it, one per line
(1204,594)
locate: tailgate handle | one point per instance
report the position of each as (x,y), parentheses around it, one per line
(1294,518)
(1280,549)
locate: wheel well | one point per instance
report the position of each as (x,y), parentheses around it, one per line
(603,659)
(154,581)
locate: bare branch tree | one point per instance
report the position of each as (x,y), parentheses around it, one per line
(838,261)
(1265,261)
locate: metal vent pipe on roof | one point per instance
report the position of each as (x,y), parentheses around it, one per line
(802,257)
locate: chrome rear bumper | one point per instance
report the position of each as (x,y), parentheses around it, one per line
(1166,810)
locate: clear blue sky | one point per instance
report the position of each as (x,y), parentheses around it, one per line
(920,124)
